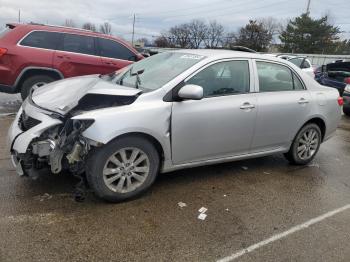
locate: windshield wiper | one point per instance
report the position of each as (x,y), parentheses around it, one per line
(138,79)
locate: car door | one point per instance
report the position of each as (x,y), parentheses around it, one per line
(77,56)
(114,55)
(282,106)
(222,123)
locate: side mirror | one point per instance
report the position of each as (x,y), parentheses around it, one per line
(191,92)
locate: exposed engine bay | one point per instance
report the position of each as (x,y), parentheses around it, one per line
(58,148)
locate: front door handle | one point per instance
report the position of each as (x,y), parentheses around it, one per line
(303,101)
(247,105)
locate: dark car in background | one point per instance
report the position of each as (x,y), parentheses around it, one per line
(337,75)
(35,54)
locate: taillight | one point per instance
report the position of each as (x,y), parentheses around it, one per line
(340,101)
(347,80)
(2,51)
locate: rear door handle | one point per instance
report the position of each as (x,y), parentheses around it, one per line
(247,105)
(303,101)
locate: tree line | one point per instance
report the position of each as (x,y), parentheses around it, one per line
(302,34)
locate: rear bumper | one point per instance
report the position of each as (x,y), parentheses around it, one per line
(7,89)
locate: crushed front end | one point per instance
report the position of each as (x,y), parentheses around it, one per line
(42,142)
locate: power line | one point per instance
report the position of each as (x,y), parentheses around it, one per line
(184,9)
(224,9)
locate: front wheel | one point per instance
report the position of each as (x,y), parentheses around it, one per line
(305,145)
(123,169)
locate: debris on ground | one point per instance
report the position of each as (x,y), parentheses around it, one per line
(202,216)
(267,173)
(244,167)
(202,210)
(227,209)
(182,204)
(225,195)
(43,197)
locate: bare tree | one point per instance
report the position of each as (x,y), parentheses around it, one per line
(214,35)
(179,36)
(197,33)
(89,26)
(106,28)
(162,41)
(69,23)
(143,40)
(273,26)
(229,40)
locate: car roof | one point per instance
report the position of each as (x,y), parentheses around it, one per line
(64,29)
(215,54)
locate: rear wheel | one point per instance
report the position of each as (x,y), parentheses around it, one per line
(346,110)
(123,169)
(305,145)
(33,82)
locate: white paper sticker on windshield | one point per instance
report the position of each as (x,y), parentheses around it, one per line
(195,57)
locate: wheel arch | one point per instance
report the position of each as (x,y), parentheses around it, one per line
(319,122)
(155,142)
(31,71)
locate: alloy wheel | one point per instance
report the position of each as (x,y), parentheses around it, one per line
(126,170)
(308,144)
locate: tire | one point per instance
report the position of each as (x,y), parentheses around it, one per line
(30,82)
(306,132)
(346,110)
(102,161)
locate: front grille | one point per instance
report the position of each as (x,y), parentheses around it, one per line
(26,122)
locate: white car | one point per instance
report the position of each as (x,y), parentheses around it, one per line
(304,64)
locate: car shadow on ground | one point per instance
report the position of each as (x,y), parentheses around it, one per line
(210,177)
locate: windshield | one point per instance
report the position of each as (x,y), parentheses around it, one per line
(152,73)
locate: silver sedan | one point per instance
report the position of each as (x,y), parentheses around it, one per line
(170,111)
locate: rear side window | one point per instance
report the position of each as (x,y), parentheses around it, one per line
(41,39)
(113,49)
(275,77)
(78,44)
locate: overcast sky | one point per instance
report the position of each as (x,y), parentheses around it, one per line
(154,16)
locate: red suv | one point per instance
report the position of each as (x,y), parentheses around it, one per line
(34,54)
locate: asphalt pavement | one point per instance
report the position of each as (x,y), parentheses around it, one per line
(258,210)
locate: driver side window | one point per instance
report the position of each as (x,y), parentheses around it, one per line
(223,78)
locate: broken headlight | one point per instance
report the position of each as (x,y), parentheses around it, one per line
(82,124)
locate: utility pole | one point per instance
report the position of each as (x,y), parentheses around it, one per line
(308,7)
(19,15)
(133,31)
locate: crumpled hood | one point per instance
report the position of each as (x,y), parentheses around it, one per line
(64,95)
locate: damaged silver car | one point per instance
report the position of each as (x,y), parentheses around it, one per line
(170,111)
